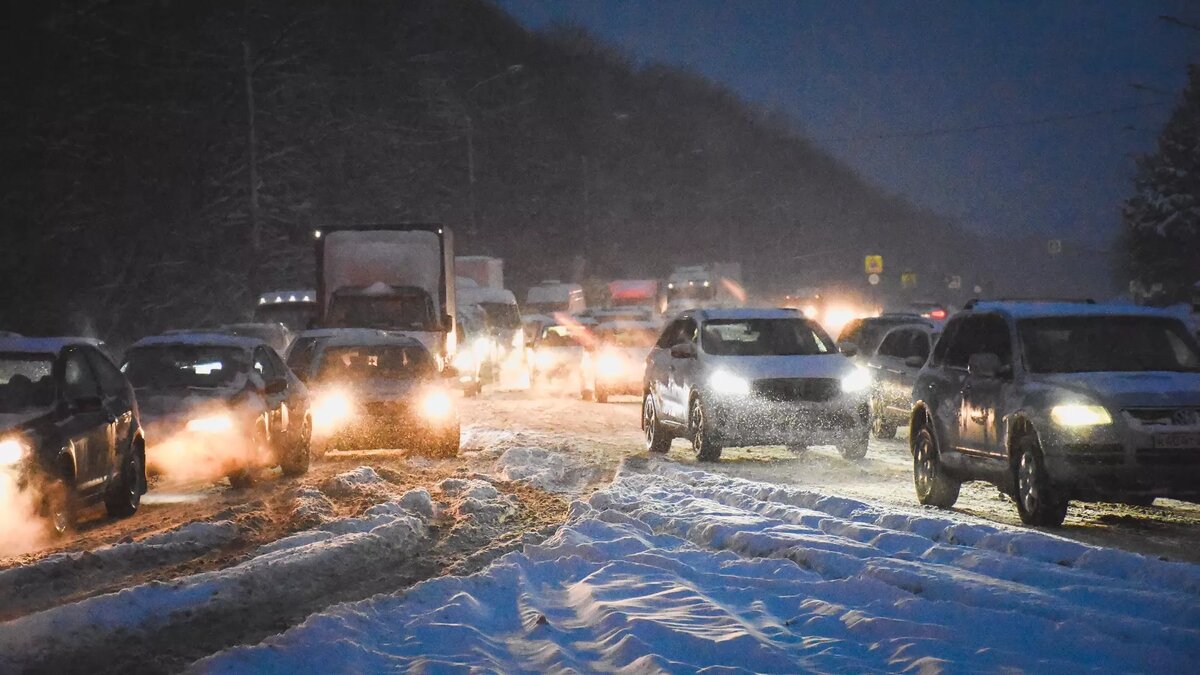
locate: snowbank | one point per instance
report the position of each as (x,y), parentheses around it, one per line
(690,570)
(545,469)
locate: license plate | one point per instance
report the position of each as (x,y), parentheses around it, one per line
(1177,440)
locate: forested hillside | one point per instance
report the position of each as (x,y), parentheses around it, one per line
(167,159)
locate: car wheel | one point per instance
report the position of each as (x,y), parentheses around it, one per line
(125,495)
(880,426)
(704,444)
(855,449)
(601,395)
(58,506)
(1038,503)
(934,486)
(657,438)
(298,457)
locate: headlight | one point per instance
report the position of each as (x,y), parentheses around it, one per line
(609,364)
(436,405)
(1076,415)
(331,410)
(213,424)
(12,451)
(856,381)
(725,382)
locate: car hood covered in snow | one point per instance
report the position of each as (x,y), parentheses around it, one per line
(1122,390)
(768,367)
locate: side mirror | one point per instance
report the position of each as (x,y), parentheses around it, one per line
(914,362)
(683,350)
(983,365)
(848,348)
(450,372)
(276,386)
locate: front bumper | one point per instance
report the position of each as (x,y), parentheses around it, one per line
(755,421)
(389,426)
(1121,461)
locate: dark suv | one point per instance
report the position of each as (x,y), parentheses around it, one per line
(1059,401)
(69,427)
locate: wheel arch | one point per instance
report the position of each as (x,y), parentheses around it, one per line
(1018,427)
(918,420)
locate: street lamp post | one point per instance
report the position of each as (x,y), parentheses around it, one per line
(470,128)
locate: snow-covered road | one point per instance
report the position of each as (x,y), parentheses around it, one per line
(683,571)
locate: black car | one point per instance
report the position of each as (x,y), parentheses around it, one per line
(894,367)
(69,427)
(866,334)
(219,405)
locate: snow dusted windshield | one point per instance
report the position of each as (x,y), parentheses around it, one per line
(1084,344)
(383,362)
(26,382)
(763,337)
(410,311)
(502,315)
(184,367)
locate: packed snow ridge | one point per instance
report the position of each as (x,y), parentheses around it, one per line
(682,571)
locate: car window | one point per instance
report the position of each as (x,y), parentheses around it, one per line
(979,334)
(301,355)
(281,369)
(851,332)
(264,365)
(670,335)
(898,343)
(112,382)
(919,345)
(78,379)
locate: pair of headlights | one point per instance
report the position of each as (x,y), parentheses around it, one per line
(335,408)
(725,382)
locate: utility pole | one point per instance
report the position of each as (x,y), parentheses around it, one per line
(252,151)
(471,171)
(587,206)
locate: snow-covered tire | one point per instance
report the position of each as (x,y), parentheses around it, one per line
(934,486)
(125,494)
(880,426)
(704,443)
(1038,503)
(657,438)
(58,506)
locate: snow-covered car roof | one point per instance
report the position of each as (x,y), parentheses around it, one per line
(43,345)
(1030,310)
(746,313)
(199,339)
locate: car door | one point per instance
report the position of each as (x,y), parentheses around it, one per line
(886,367)
(920,345)
(983,394)
(118,401)
(86,424)
(942,383)
(658,364)
(295,397)
(683,373)
(274,396)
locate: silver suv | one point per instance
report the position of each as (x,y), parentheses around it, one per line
(1059,401)
(740,377)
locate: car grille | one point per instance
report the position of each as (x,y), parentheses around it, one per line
(798,389)
(1165,416)
(1097,454)
(1168,456)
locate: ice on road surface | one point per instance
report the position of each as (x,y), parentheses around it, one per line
(684,570)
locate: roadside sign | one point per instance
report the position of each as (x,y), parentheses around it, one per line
(1054,246)
(908,280)
(873,264)
(873,279)
(955,282)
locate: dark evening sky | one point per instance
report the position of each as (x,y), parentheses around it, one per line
(850,72)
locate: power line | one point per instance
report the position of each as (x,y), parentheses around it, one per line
(1031,122)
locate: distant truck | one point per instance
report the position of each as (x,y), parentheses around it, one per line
(294,309)
(554,297)
(708,286)
(485,271)
(391,277)
(635,293)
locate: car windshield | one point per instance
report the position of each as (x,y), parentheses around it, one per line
(26,382)
(692,290)
(185,367)
(560,336)
(1084,344)
(763,337)
(628,337)
(502,315)
(381,362)
(411,311)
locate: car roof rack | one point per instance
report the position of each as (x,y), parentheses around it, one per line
(1082,301)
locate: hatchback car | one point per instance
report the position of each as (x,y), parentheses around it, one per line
(741,377)
(69,428)
(894,367)
(219,405)
(1058,401)
(382,392)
